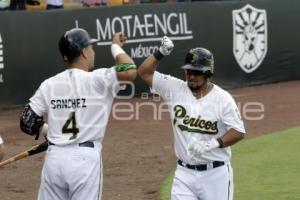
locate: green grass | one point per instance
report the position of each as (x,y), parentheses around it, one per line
(265,168)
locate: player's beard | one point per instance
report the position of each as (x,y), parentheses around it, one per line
(194,87)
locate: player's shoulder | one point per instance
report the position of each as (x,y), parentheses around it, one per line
(221,93)
(105,71)
(102,70)
(54,80)
(168,78)
(56,77)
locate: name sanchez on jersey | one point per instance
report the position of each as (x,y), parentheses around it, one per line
(68,103)
(192,124)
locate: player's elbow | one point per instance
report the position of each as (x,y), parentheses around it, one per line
(131,74)
(128,75)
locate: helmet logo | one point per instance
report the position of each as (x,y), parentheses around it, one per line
(249,37)
(194,59)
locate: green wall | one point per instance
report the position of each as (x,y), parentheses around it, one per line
(30,53)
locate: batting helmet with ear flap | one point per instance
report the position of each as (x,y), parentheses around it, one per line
(72,43)
(200,59)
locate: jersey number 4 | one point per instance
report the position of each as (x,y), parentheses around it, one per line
(70,126)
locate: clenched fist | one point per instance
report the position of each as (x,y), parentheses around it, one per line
(119,38)
(166,46)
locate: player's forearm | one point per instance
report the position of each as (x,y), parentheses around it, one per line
(148,67)
(231,137)
(124,65)
(120,56)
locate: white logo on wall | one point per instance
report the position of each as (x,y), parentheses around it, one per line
(249,37)
(144,29)
(1,59)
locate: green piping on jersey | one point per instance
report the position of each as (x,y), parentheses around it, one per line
(125,67)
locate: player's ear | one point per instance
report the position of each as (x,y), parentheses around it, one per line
(84,52)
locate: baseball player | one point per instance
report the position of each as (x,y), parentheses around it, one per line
(1,148)
(205,120)
(78,102)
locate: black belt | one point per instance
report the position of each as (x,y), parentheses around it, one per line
(83,144)
(201,167)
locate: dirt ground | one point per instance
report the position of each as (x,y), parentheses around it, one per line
(138,154)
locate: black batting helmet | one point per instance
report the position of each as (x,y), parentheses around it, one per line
(72,43)
(200,59)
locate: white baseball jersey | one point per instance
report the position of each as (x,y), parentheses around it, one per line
(1,141)
(78,104)
(198,119)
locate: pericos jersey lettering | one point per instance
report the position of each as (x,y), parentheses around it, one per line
(194,124)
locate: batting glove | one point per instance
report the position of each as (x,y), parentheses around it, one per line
(200,147)
(166,46)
